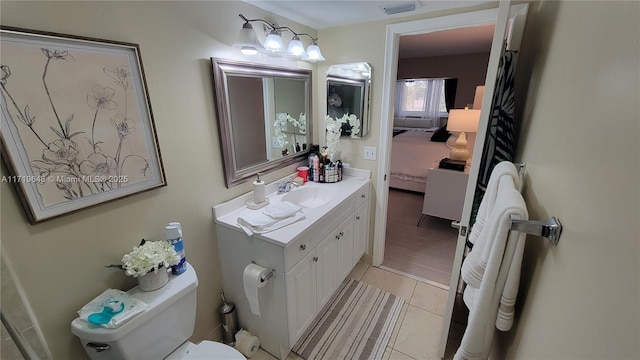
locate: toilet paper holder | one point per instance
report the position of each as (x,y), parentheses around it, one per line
(266,276)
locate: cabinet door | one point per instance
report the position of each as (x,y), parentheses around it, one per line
(301,296)
(344,238)
(326,270)
(361,232)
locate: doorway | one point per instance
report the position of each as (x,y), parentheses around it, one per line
(509,22)
(421,243)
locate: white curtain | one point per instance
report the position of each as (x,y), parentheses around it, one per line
(419,99)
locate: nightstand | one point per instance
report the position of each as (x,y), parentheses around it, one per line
(444,192)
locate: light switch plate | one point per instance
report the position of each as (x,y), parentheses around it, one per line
(369,153)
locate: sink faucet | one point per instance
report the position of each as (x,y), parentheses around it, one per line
(285,186)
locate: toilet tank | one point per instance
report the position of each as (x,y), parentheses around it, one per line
(153,334)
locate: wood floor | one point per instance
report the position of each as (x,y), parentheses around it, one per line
(425,251)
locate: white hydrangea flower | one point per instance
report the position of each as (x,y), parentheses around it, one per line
(149,256)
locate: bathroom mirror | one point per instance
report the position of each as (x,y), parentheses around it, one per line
(264,117)
(348,88)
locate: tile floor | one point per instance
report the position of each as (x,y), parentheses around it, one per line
(416,335)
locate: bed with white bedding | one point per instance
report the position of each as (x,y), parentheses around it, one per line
(412,153)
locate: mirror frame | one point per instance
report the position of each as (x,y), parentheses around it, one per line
(223,68)
(365,90)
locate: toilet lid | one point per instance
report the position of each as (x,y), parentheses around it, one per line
(213,350)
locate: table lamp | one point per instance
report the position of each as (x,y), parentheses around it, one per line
(463,121)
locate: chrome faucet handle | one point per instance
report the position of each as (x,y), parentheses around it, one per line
(285,186)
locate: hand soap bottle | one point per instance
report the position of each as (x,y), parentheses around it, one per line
(259,198)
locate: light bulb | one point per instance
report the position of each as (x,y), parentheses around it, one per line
(313,53)
(295,47)
(273,43)
(248,50)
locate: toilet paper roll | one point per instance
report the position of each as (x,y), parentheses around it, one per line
(247,343)
(251,280)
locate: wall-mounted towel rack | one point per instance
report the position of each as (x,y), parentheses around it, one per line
(550,228)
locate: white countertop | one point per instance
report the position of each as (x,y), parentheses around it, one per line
(226,214)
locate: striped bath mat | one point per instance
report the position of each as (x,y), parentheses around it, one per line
(355,324)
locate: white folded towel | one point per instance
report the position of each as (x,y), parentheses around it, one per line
(481,250)
(256,222)
(504,168)
(281,210)
(492,273)
(132,307)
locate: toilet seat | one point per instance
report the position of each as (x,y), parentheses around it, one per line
(212,350)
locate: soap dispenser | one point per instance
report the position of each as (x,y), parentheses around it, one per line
(259,199)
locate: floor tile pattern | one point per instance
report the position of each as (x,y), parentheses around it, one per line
(417,333)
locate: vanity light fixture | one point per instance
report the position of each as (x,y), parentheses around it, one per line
(313,53)
(248,40)
(273,43)
(249,44)
(295,46)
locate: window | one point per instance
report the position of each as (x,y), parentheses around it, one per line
(421,98)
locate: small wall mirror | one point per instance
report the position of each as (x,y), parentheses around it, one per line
(264,117)
(348,88)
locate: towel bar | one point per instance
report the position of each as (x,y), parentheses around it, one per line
(550,228)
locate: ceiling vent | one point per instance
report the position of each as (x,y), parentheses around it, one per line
(399,8)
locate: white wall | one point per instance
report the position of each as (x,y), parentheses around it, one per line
(579,80)
(59,263)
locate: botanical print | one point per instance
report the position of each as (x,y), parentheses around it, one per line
(78,116)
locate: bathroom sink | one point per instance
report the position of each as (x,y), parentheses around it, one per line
(308,197)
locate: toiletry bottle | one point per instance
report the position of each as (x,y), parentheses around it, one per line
(258,191)
(311,166)
(316,168)
(174,236)
(339,170)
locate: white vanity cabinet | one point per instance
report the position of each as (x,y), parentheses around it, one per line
(310,284)
(361,227)
(317,256)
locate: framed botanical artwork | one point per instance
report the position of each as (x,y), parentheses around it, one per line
(77,127)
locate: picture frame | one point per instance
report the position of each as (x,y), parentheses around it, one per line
(77,127)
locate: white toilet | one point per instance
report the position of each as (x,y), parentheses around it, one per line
(160,332)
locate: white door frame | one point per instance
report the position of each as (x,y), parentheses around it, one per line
(394,31)
(509,22)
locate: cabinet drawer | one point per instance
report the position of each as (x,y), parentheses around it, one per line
(331,221)
(297,250)
(362,195)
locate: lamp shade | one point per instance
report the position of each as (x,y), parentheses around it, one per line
(295,47)
(248,40)
(273,43)
(477,99)
(463,120)
(313,53)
